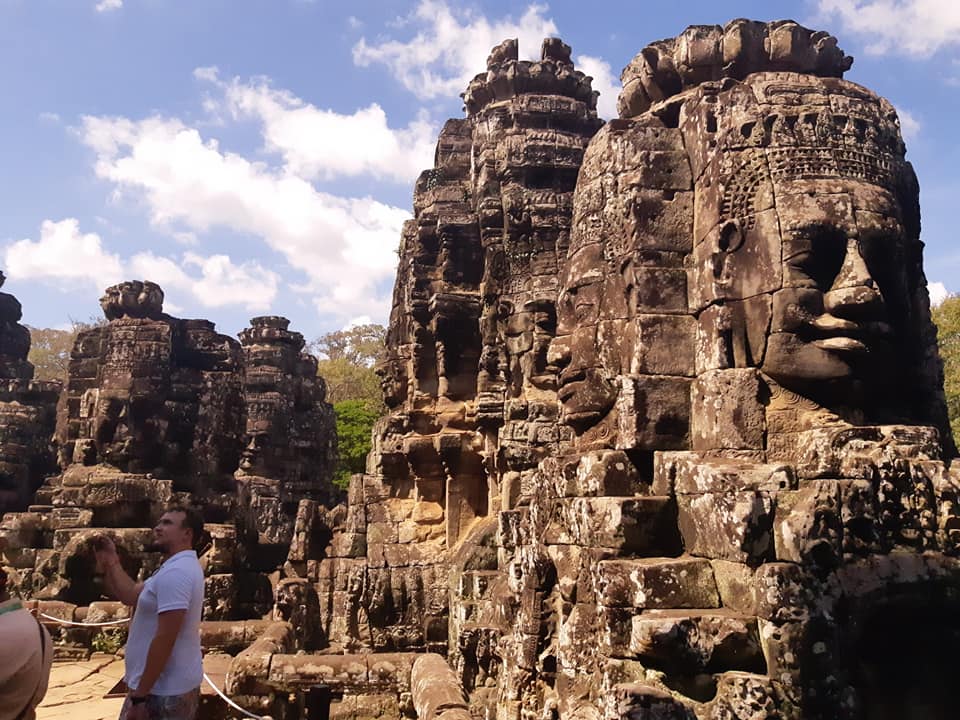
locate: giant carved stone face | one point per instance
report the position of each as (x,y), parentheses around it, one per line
(774,226)
(587,387)
(843,263)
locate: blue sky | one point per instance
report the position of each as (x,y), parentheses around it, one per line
(258,156)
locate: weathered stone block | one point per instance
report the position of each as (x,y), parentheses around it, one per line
(858,515)
(657,583)
(733,526)
(639,525)
(727,410)
(749,695)
(661,345)
(688,473)
(605,472)
(654,413)
(787,592)
(635,700)
(807,524)
(735,584)
(691,641)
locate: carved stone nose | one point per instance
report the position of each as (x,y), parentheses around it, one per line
(558,352)
(854,290)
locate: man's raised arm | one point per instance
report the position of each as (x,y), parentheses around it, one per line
(118,583)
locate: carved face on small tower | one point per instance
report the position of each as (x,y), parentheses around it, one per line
(587,388)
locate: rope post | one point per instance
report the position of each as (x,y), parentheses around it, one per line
(318,702)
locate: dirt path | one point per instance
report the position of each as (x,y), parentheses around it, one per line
(77,688)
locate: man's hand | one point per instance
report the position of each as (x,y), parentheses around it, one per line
(105,553)
(117,582)
(136,712)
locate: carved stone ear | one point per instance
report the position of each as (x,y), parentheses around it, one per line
(731,237)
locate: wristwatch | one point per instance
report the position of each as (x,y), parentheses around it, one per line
(138,700)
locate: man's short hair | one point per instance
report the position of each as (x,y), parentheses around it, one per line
(191,519)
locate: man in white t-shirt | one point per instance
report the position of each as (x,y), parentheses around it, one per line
(164,665)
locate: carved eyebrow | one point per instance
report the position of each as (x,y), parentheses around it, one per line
(799,239)
(591,277)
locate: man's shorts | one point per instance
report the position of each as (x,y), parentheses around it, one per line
(168,707)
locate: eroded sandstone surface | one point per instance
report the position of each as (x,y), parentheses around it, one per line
(159,410)
(666,435)
(27,413)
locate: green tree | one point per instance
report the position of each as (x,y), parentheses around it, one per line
(946,316)
(50,352)
(355,419)
(50,348)
(347,360)
(360,344)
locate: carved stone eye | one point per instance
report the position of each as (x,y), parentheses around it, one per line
(731,237)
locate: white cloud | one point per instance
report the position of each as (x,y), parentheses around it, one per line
(184,237)
(49,117)
(344,246)
(604,81)
(323,144)
(220,282)
(909,124)
(911,27)
(71,259)
(107,5)
(451,47)
(208,73)
(359,320)
(64,254)
(938,293)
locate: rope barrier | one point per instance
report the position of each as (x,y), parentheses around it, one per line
(206,677)
(231,703)
(79,624)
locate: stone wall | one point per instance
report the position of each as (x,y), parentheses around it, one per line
(159,410)
(666,434)
(27,413)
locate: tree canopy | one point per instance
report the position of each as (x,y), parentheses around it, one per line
(946,316)
(347,360)
(355,419)
(50,349)
(360,344)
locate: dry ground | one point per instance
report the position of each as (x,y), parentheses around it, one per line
(77,688)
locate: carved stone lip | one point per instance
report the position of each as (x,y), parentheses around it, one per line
(841,335)
(567,390)
(581,418)
(842,344)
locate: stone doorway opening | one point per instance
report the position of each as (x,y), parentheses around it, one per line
(904,657)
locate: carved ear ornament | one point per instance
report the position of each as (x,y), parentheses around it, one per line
(731,237)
